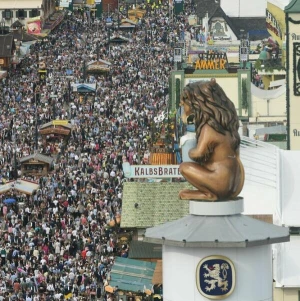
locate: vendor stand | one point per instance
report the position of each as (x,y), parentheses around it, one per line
(55,134)
(36,165)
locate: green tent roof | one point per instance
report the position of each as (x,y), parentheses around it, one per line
(149,204)
(293,7)
(132,275)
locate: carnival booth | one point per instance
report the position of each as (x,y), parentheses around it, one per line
(36,165)
(55,133)
(127,25)
(99,66)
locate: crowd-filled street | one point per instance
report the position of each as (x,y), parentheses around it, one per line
(62,241)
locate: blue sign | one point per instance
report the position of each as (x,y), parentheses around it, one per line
(215,277)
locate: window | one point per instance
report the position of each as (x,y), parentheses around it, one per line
(20,13)
(34,13)
(7,14)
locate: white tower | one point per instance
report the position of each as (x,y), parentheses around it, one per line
(216,252)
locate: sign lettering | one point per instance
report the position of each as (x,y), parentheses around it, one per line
(296,133)
(151,171)
(218,64)
(272,24)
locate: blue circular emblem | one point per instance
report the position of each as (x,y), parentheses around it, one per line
(215,277)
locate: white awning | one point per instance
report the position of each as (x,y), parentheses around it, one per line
(277,83)
(16,4)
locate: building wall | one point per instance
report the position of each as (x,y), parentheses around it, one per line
(253,272)
(244,8)
(290,179)
(286,294)
(264,111)
(46,8)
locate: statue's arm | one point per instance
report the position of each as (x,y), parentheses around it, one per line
(205,146)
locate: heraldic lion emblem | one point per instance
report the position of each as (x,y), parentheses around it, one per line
(217,279)
(216,171)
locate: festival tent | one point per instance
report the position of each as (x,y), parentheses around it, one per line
(84,88)
(23,186)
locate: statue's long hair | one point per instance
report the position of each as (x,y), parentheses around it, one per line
(211,106)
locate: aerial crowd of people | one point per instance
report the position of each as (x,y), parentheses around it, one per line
(61,241)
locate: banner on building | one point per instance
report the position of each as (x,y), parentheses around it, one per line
(34,27)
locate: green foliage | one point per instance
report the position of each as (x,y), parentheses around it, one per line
(244,94)
(268,65)
(177,86)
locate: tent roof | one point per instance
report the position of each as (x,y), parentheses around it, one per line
(38,157)
(228,231)
(6,45)
(141,249)
(157,203)
(23,186)
(132,275)
(54,122)
(84,87)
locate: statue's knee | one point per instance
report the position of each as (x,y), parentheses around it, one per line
(182,168)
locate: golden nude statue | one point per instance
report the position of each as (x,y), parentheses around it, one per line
(216,171)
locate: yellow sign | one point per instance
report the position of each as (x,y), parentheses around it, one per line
(1,61)
(217,64)
(60,122)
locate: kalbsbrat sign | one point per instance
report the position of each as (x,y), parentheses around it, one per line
(151,171)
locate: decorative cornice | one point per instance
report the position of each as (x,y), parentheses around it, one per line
(211,75)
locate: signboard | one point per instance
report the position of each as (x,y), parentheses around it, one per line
(244,50)
(151,171)
(34,27)
(177,55)
(211,60)
(60,122)
(64,3)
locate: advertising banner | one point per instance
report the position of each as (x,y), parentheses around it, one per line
(34,27)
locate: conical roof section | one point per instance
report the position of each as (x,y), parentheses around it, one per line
(228,231)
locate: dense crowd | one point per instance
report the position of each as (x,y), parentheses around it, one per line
(62,241)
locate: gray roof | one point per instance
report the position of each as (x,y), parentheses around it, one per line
(206,6)
(38,157)
(277,129)
(141,249)
(255,26)
(229,231)
(6,45)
